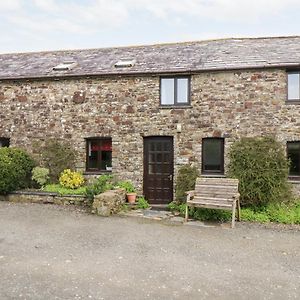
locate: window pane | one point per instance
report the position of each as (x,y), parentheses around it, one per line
(182,90)
(93,155)
(293,153)
(106,160)
(293,87)
(212,155)
(167,91)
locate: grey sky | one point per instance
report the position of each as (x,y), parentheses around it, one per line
(38,25)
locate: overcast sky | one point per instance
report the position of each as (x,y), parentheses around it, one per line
(38,25)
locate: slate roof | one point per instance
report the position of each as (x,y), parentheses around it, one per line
(235,53)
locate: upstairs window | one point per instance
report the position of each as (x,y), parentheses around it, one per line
(293,86)
(4,142)
(175,91)
(99,154)
(213,156)
(293,154)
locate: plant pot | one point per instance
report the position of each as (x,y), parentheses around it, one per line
(131,197)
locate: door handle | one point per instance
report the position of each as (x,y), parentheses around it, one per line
(170,176)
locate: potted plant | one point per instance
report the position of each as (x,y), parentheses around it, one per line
(130,190)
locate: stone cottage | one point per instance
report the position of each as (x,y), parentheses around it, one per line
(141,112)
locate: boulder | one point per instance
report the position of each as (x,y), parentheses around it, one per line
(109,202)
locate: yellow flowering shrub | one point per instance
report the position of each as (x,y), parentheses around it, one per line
(71,179)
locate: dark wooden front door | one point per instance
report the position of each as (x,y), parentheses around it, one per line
(158,169)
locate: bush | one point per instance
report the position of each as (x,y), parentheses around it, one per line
(15,169)
(202,214)
(100,185)
(71,179)
(40,175)
(278,213)
(57,156)
(142,203)
(127,186)
(262,169)
(185,181)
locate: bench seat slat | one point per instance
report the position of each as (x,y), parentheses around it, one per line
(211,205)
(216,194)
(213,199)
(200,202)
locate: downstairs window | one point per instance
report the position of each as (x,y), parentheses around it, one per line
(4,142)
(213,156)
(293,154)
(99,154)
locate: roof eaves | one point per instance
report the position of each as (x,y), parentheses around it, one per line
(153,72)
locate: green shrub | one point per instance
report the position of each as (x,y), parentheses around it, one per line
(100,185)
(274,212)
(185,181)
(57,188)
(202,214)
(176,206)
(71,179)
(142,203)
(15,169)
(40,175)
(127,185)
(205,214)
(57,156)
(262,169)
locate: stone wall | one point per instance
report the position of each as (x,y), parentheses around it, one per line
(44,197)
(223,104)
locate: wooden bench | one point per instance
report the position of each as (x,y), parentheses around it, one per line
(216,193)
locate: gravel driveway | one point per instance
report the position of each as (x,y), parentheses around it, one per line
(52,252)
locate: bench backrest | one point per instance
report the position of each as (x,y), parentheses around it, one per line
(219,189)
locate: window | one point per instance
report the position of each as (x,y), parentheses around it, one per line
(125,63)
(65,66)
(293,154)
(175,91)
(99,156)
(213,156)
(4,142)
(294,86)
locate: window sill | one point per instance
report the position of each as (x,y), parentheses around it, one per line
(96,172)
(294,179)
(213,175)
(176,106)
(292,102)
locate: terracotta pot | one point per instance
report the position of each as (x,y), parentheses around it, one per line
(131,197)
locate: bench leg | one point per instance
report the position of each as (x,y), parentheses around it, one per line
(233,214)
(239,210)
(186,213)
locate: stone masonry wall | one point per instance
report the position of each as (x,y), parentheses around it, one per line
(223,104)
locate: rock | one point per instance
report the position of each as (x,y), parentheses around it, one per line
(109,202)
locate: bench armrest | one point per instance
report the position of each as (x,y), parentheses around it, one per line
(190,194)
(236,196)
